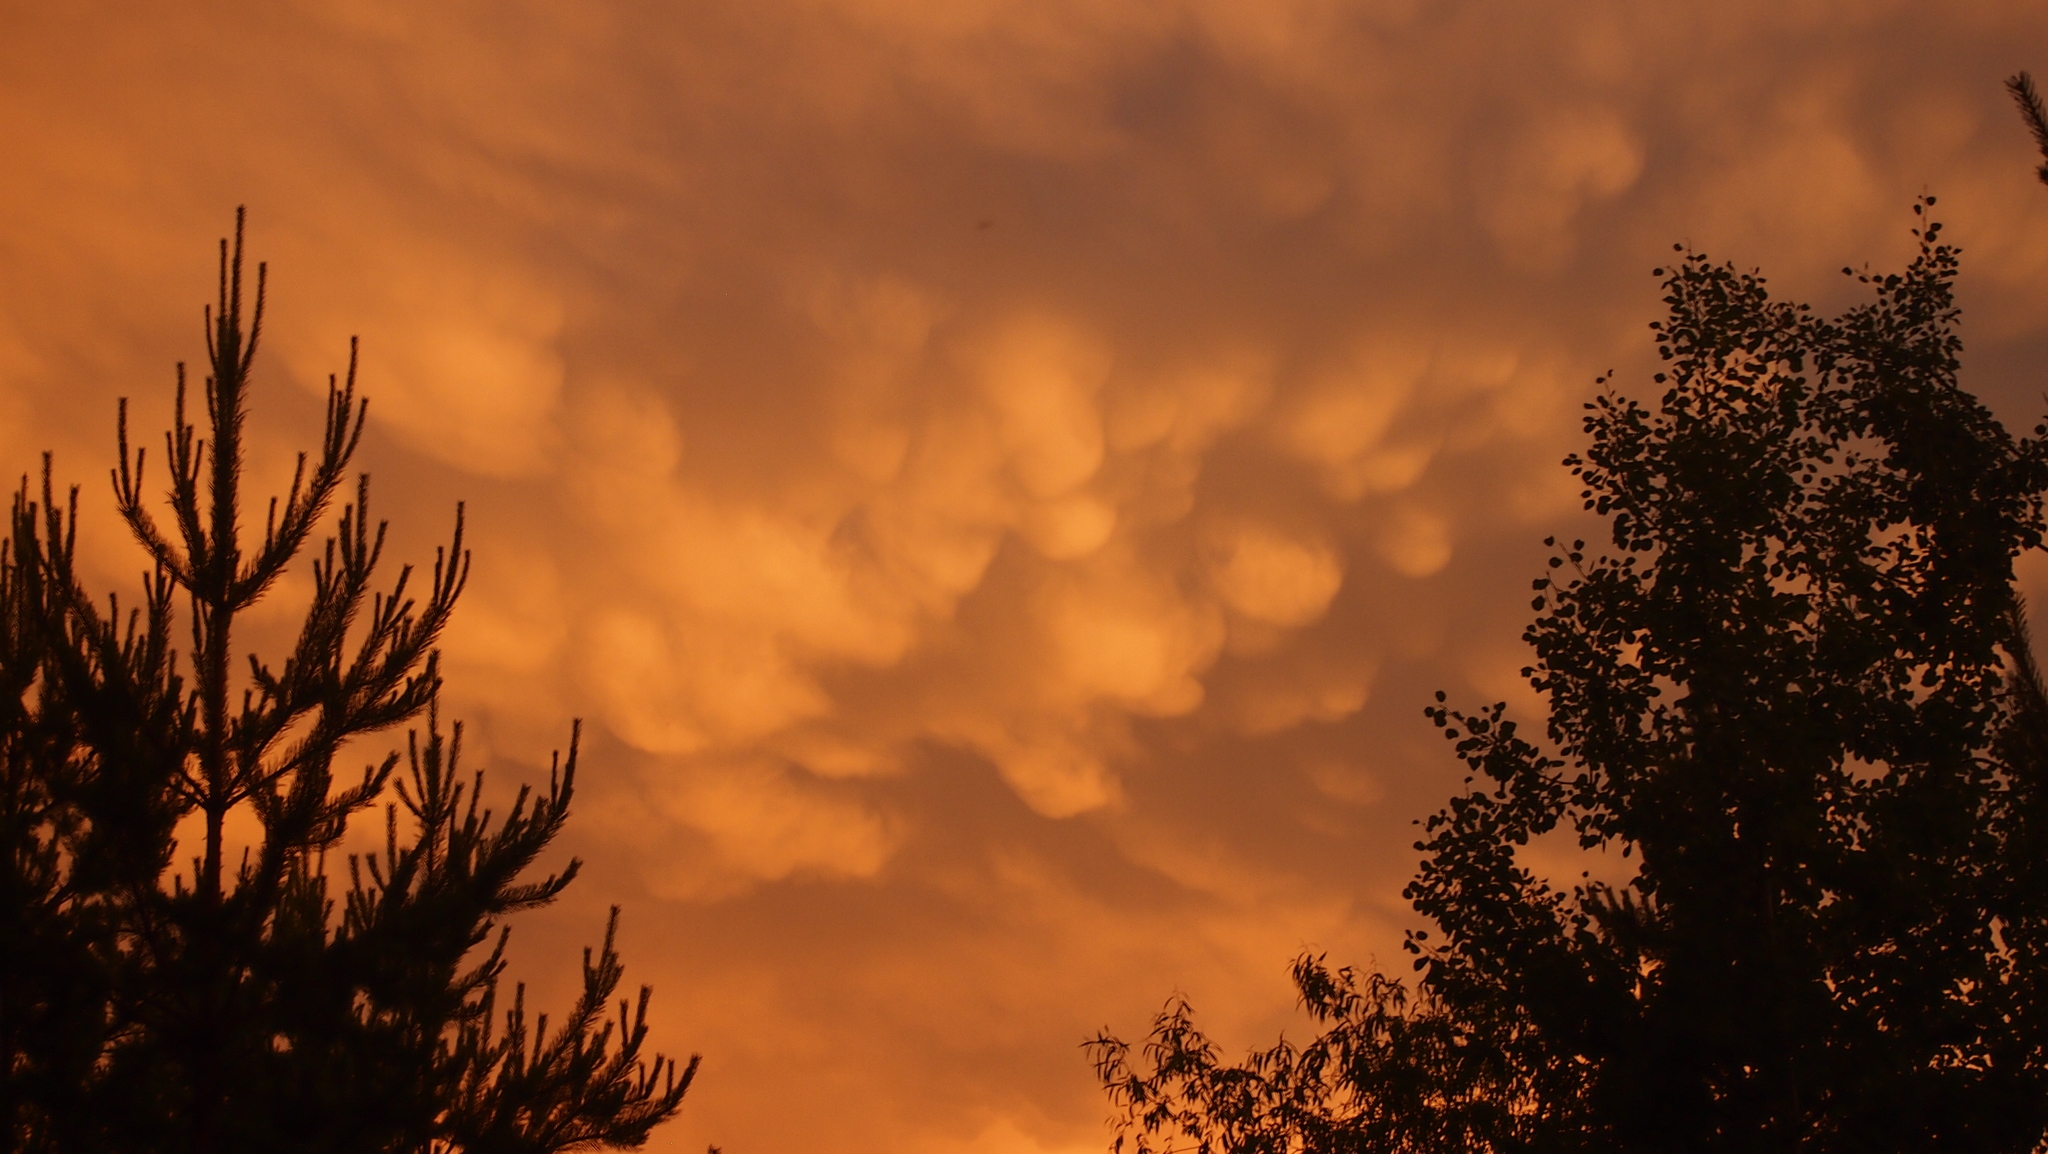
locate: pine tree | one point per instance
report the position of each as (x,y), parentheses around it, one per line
(1797,697)
(151,1000)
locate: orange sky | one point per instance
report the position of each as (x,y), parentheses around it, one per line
(1000,479)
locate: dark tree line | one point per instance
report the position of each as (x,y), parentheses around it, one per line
(156,995)
(1796,694)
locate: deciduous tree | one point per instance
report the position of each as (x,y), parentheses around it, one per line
(1795,695)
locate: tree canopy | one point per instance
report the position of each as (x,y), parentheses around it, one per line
(152,1001)
(1795,694)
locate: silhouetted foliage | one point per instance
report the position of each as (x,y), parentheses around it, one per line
(2021,86)
(144,1006)
(1796,698)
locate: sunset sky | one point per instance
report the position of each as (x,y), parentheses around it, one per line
(999,480)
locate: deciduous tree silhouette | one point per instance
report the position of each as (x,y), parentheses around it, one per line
(247,1005)
(1796,696)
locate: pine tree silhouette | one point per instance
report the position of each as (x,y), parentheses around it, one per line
(147,1006)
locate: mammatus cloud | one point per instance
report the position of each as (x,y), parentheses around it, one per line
(999,480)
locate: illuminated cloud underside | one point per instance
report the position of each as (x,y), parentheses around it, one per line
(999,480)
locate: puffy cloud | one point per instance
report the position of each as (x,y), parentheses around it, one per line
(999,479)
(1271,577)
(1562,164)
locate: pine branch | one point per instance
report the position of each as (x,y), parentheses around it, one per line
(246,1008)
(2021,86)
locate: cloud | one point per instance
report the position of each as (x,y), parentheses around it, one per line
(1563,163)
(999,480)
(1271,577)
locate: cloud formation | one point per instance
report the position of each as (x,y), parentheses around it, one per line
(1000,479)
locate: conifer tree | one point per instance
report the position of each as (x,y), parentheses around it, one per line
(160,996)
(1798,698)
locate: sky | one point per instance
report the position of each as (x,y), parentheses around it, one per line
(998,480)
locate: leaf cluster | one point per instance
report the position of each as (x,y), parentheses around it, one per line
(1387,1071)
(1796,699)
(1788,696)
